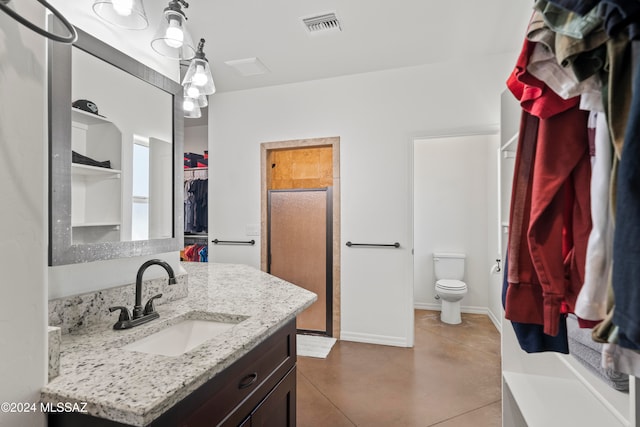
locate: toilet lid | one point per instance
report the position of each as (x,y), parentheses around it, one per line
(451,284)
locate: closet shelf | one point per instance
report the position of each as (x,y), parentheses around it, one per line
(80,116)
(614,400)
(80,169)
(97,224)
(548,401)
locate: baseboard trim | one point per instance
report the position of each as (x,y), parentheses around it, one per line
(373,339)
(495,320)
(472,309)
(426,306)
(463,309)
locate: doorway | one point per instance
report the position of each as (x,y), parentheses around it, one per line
(304,170)
(455,210)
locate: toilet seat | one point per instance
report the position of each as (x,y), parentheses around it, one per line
(451,285)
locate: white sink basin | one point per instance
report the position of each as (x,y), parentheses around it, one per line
(178,339)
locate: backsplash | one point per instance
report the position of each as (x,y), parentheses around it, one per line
(55,337)
(79,311)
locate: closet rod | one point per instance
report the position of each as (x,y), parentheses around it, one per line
(395,245)
(196,173)
(238,242)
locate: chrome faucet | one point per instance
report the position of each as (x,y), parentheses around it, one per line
(148,313)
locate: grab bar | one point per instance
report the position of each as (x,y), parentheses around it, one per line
(236,242)
(395,245)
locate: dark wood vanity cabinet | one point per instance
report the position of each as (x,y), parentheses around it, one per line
(278,408)
(259,389)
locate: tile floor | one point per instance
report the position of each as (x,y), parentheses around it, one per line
(451,378)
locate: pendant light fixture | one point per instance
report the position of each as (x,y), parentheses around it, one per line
(203,101)
(127,14)
(198,80)
(172,38)
(191,108)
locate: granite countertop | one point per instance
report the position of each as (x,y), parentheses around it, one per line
(135,388)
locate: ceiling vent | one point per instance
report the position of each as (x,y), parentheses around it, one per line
(322,23)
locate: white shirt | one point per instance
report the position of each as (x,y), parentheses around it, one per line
(592,300)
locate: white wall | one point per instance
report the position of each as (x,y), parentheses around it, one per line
(23,214)
(195,138)
(376,115)
(455,210)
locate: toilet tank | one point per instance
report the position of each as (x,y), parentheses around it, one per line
(448,265)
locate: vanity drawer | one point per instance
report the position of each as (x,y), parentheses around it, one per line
(229,397)
(254,378)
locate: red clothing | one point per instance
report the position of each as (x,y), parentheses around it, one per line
(561,179)
(550,216)
(522,278)
(534,95)
(557,220)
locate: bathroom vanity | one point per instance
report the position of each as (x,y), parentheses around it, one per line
(243,375)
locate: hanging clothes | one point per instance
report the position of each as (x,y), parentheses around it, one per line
(621,17)
(578,162)
(581,7)
(549,182)
(204,254)
(200,189)
(531,337)
(626,247)
(189,209)
(557,206)
(592,300)
(195,253)
(196,195)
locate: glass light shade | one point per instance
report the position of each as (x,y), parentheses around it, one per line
(191,108)
(199,75)
(127,14)
(172,38)
(203,101)
(192,93)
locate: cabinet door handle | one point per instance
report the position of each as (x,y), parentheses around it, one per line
(248,381)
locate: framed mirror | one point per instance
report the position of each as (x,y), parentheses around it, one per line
(115,155)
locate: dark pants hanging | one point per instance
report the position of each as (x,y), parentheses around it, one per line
(626,245)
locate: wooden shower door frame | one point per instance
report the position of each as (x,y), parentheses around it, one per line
(333,142)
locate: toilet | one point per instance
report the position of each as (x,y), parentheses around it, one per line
(450,289)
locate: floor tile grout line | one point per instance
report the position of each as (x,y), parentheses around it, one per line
(329,400)
(464,413)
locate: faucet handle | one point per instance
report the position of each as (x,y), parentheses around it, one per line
(125,314)
(148,307)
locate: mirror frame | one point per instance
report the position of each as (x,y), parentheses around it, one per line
(61,249)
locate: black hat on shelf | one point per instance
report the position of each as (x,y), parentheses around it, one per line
(86,105)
